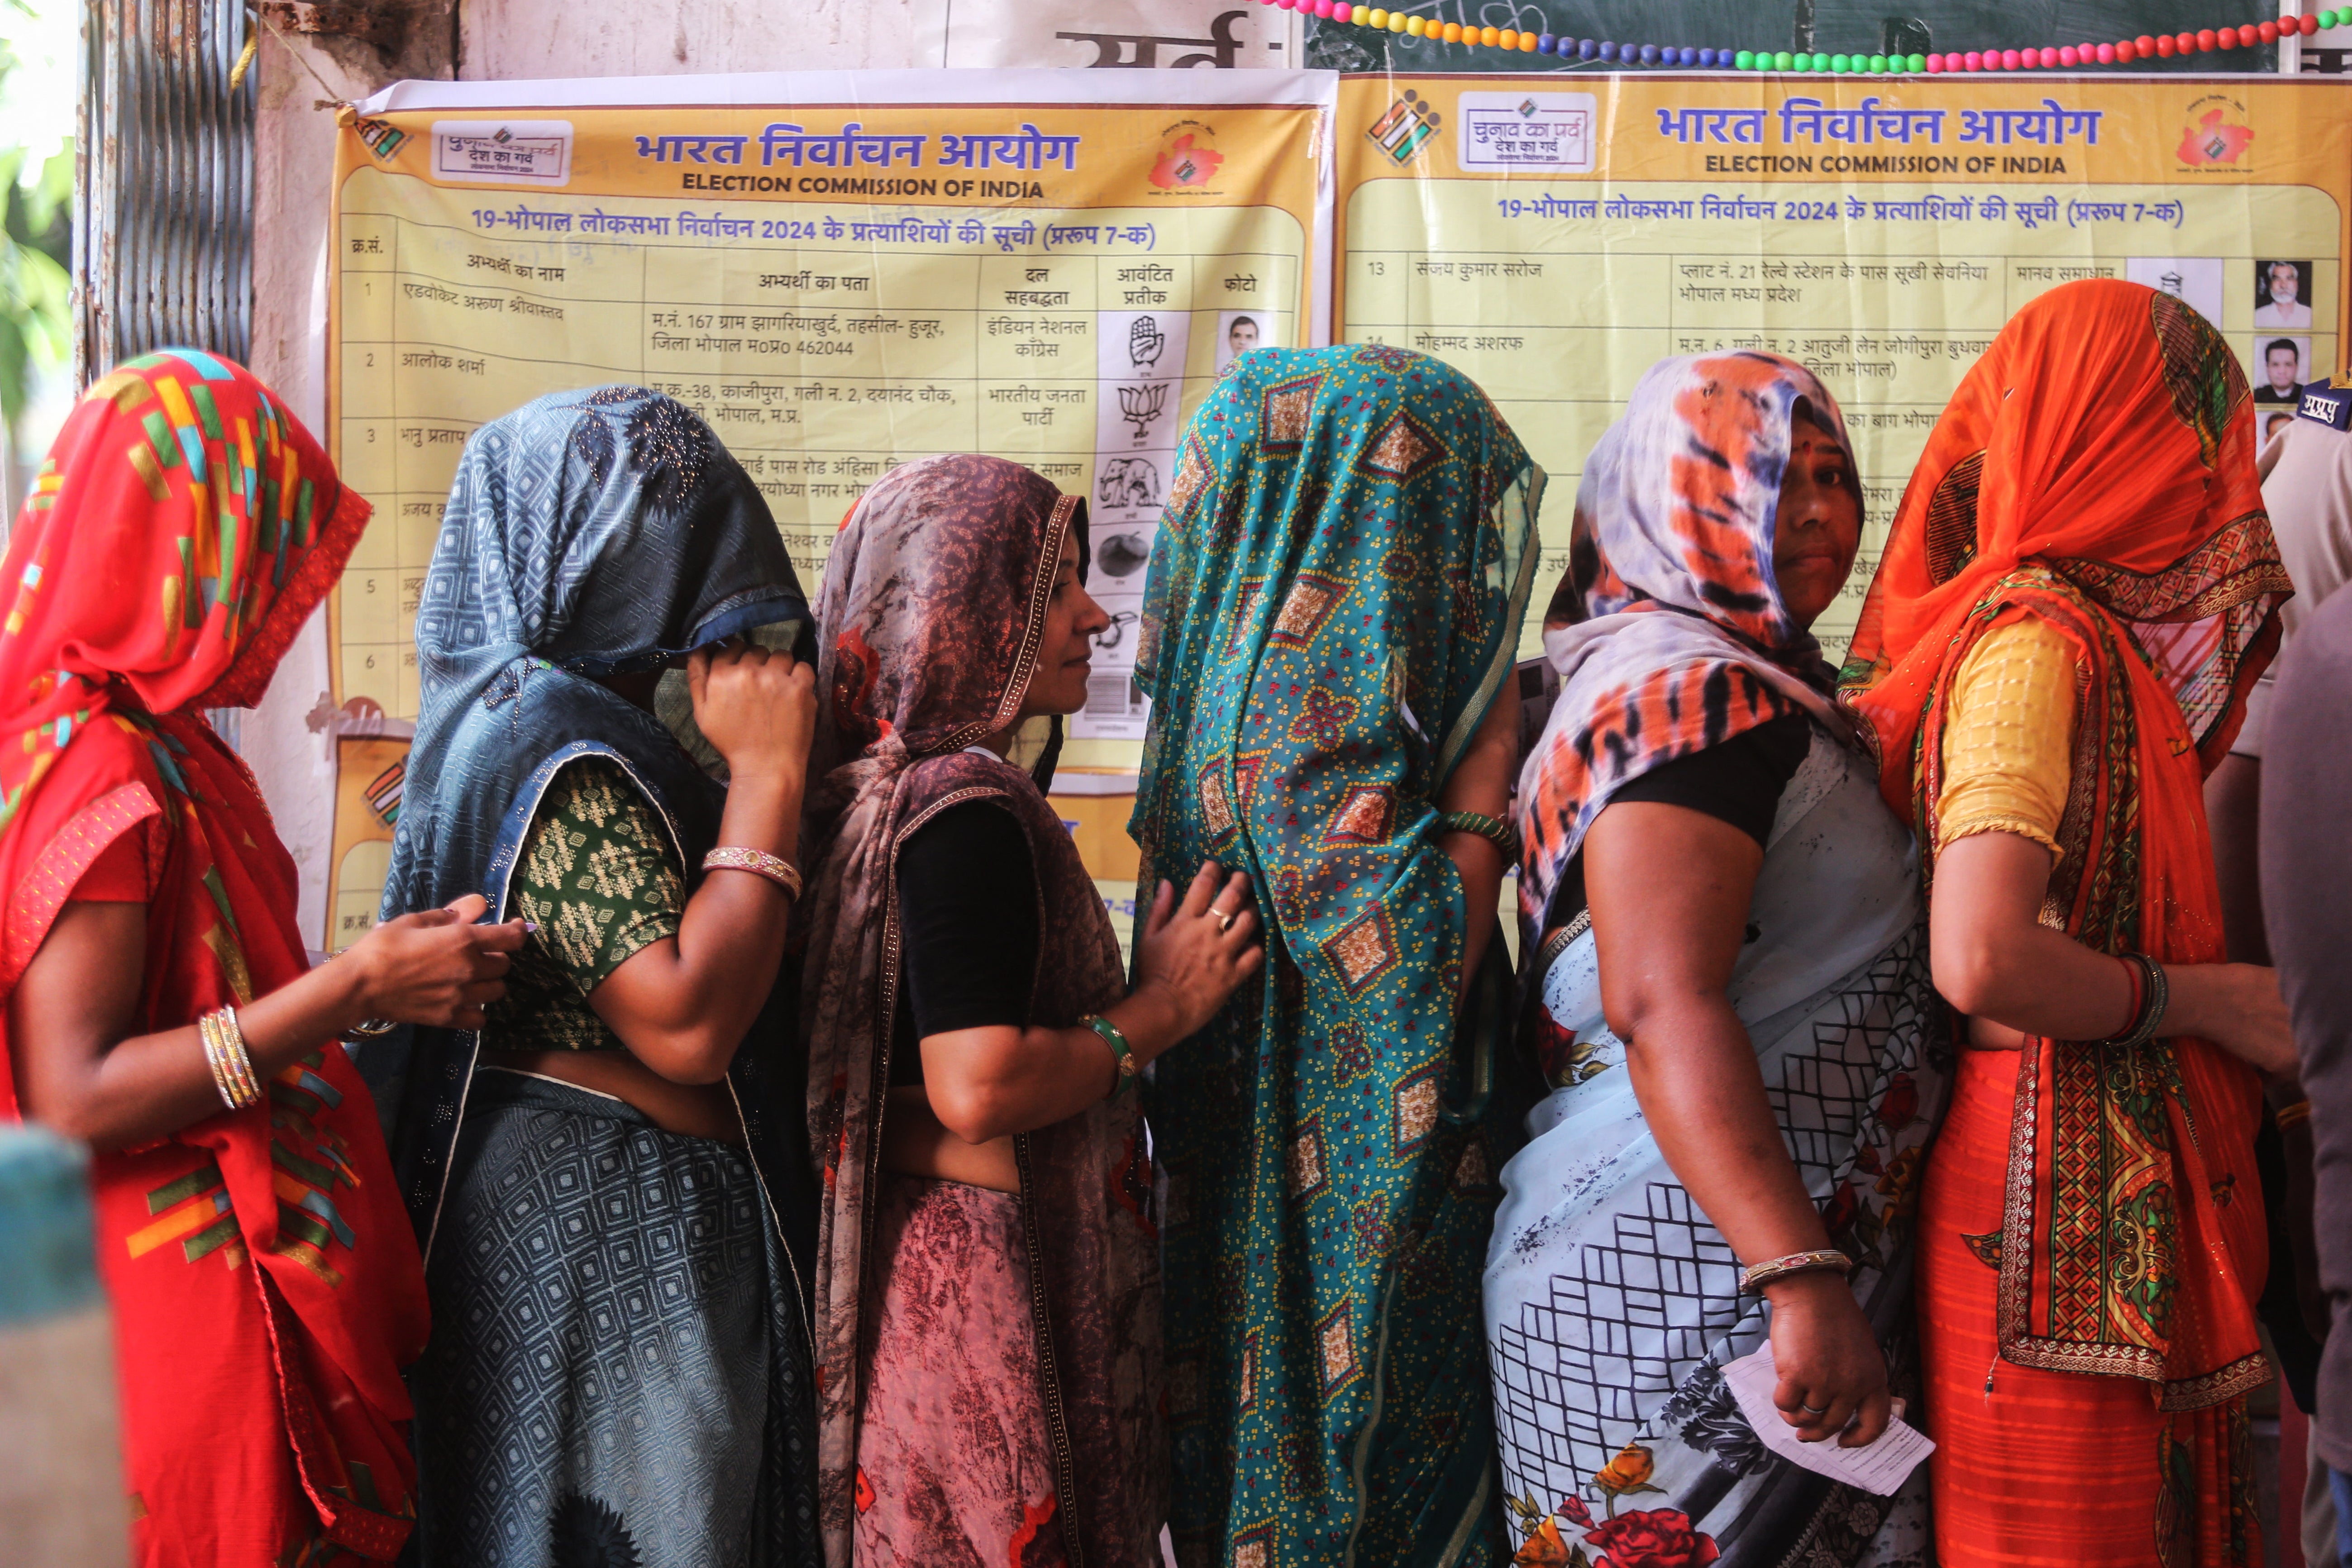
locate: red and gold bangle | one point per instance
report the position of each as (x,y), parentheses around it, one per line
(2286,1116)
(760,863)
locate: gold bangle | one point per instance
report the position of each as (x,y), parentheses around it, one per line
(2287,1116)
(760,863)
(207,1036)
(1753,1281)
(230,1060)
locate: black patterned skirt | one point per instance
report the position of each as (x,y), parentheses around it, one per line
(618,1376)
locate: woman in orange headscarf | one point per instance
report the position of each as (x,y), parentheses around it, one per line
(156,1000)
(2079,590)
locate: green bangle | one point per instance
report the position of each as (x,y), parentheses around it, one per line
(1121,1052)
(1493,829)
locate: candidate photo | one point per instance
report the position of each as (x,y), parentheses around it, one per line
(2282,294)
(1238,332)
(2278,368)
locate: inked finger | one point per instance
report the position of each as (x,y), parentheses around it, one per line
(469,909)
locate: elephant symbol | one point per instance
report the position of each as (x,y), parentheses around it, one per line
(1128,482)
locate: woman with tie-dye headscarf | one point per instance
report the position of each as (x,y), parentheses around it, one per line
(1729,1000)
(1334,606)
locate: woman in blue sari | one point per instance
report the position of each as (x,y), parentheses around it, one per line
(1335,602)
(1729,1007)
(619,1368)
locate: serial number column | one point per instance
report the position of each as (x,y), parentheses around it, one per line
(373,631)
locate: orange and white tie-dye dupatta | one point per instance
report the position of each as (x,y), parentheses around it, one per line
(1673,638)
(263,1276)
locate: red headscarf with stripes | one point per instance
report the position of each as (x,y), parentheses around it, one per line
(264,1278)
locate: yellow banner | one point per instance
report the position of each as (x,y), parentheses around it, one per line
(1552,237)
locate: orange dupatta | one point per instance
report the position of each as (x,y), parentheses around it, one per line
(2096,469)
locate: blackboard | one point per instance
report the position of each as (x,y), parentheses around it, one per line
(1829,26)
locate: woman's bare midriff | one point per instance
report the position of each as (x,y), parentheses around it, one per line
(1984,1035)
(691,1109)
(915,1143)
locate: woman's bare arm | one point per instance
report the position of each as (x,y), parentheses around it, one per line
(988,1082)
(1995,961)
(82,1070)
(682,1005)
(1482,783)
(1669,889)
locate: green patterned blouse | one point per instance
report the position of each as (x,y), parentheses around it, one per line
(597,876)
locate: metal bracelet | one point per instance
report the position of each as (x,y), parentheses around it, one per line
(1758,1276)
(760,863)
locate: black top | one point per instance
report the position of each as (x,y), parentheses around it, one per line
(967,929)
(1739,782)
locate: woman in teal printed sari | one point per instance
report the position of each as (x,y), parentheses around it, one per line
(1335,602)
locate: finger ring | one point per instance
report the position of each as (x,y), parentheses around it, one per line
(1225,919)
(1813,1410)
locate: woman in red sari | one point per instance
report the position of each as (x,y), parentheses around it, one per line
(2078,592)
(155,999)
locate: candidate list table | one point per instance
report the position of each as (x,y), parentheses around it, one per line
(1556,299)
(823,352)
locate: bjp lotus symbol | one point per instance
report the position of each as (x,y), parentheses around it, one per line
(1142,405)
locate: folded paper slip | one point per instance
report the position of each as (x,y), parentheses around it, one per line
(1881,1466)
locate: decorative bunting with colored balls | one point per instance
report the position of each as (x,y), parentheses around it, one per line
(1609,51)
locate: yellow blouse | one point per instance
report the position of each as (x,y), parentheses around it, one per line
(2009,736)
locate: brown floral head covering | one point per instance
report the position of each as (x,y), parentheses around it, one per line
(934,601)
(934,607)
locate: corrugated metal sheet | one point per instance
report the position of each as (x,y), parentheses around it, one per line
(163,237)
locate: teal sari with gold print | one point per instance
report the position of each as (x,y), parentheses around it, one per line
(1334,603)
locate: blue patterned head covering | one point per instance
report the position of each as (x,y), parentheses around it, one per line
(1335,599)
(589,533)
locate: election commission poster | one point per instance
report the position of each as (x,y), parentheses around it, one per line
(841,273)
(844,273)
(1553,235)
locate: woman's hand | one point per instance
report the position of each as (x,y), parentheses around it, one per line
(2238,1007)
(436,966)
(1187,959)
(1832,1373)
(757,707)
